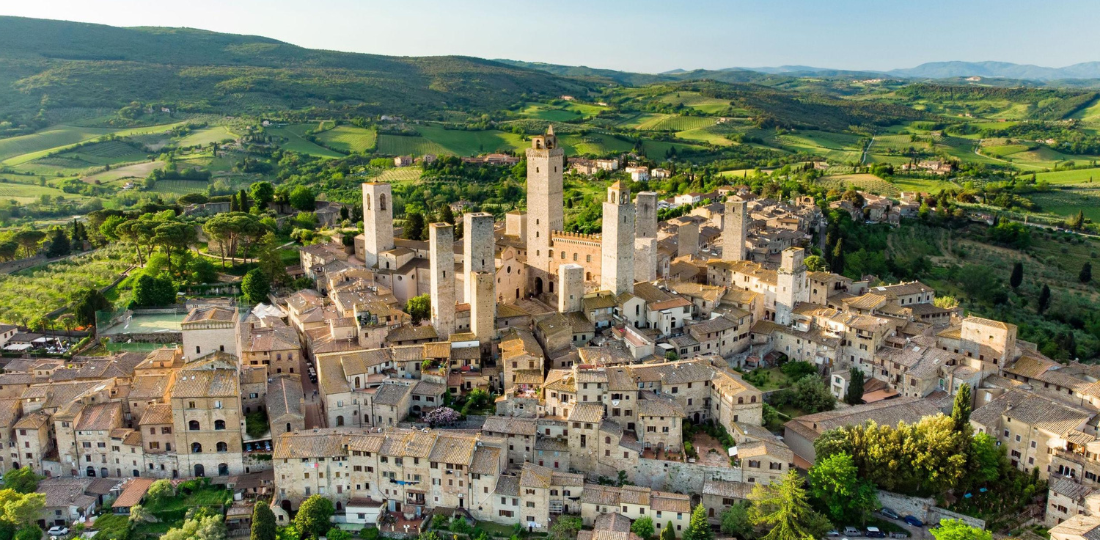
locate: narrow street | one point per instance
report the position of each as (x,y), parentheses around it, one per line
(313,415)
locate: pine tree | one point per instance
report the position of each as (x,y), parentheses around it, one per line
(1044,299)
(854,396)
(960,411)
(1086,273)
(1017,275)
(668,533)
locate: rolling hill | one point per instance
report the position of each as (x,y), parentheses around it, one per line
(77,65)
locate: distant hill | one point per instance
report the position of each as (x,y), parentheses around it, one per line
(1007,70)
(65,64)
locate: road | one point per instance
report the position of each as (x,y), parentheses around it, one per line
(863,156)
(313,415)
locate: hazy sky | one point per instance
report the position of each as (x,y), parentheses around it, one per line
(638,35)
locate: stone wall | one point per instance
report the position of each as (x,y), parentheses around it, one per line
(22,264)
(924,509)
(677,476)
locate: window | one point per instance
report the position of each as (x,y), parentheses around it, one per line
(193,425)
(219,424)
(196,448)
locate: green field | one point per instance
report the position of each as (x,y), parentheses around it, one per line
(832,146)
(675,122)
(594,143)
(296,141)
(395,176)
(1070,177)
(27,193)
(923,185)
(634,122)
(550,113)
(403,145)
(46,139)
(206,136)
(1069,201)
(137,170)
(1004,150)
(349,139)
(436,140)
(180,187)
(697,101)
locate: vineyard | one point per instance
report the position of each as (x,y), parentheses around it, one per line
(349,139)
(866,182)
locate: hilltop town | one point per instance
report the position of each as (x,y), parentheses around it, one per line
(652,370)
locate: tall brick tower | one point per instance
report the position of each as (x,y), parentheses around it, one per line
(377,221)
(645,205)
(617,241)
(545,206)
(441,263)
(735,228)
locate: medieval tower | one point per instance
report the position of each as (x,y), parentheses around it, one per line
(645,224)
(377,221)
(791,286)
(617,241)
(545,207)
(478,245)
(441,245)
(570,287)
(735,228)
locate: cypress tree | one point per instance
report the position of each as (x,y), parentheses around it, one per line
(1086,273)
(263,522)
(1044,299)
(854,396)
(1017,275)
(960,410)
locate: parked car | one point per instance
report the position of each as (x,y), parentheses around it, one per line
(914,521)
(889,513)
(874,532)
(833,534)
(852,531)
(57,530)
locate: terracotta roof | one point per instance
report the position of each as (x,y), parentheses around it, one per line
(315,443)
(586,412)
(206,383)
(663,501)
(509,425)
(726,489)
(100,417)
(455,449)
(157,414)
(486,460)
(284,395)
(535,476)
(132,492)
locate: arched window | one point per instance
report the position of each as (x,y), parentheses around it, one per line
(607,440)
(357,383)
(104,473)
(219,424)
(339,420)
(200,471)
(223,469)
(222,447)
(90,472)
(382,202)
(288,427)
(193,425)
(752,399)
(366,201)
(196,448)
(740,401)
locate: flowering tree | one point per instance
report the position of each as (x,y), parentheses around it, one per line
(441,416)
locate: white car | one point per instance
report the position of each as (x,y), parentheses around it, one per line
(57,531)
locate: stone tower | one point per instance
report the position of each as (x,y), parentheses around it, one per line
(477,245)
(645,223)
(483,305)
(645,259)
(687,239)
(735,230)
(441,263)
(377,221)
(791,286)
(617,241)
(570,287)
(545,206)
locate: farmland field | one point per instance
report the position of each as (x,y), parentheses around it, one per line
(1068,201)
(546,112)
(472,143)
(675,122)
(403,145)
(49,138)
(296,141)
(27,193)
(40,290)
(593,143)
(180,187)
(403,174)
(833,146)
(697,101)
(349,139)
(866,182)
(204,137)
(137,170)
(1075,176)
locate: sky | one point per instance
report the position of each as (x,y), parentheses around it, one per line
(638,35)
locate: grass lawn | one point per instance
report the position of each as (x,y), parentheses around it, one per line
(403,174)
(923,185)
(833,146)
(472,143)
(697,101)
(137,170)
(27,193)
(594,143)
(349,139)
(790,411)
(542,111)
